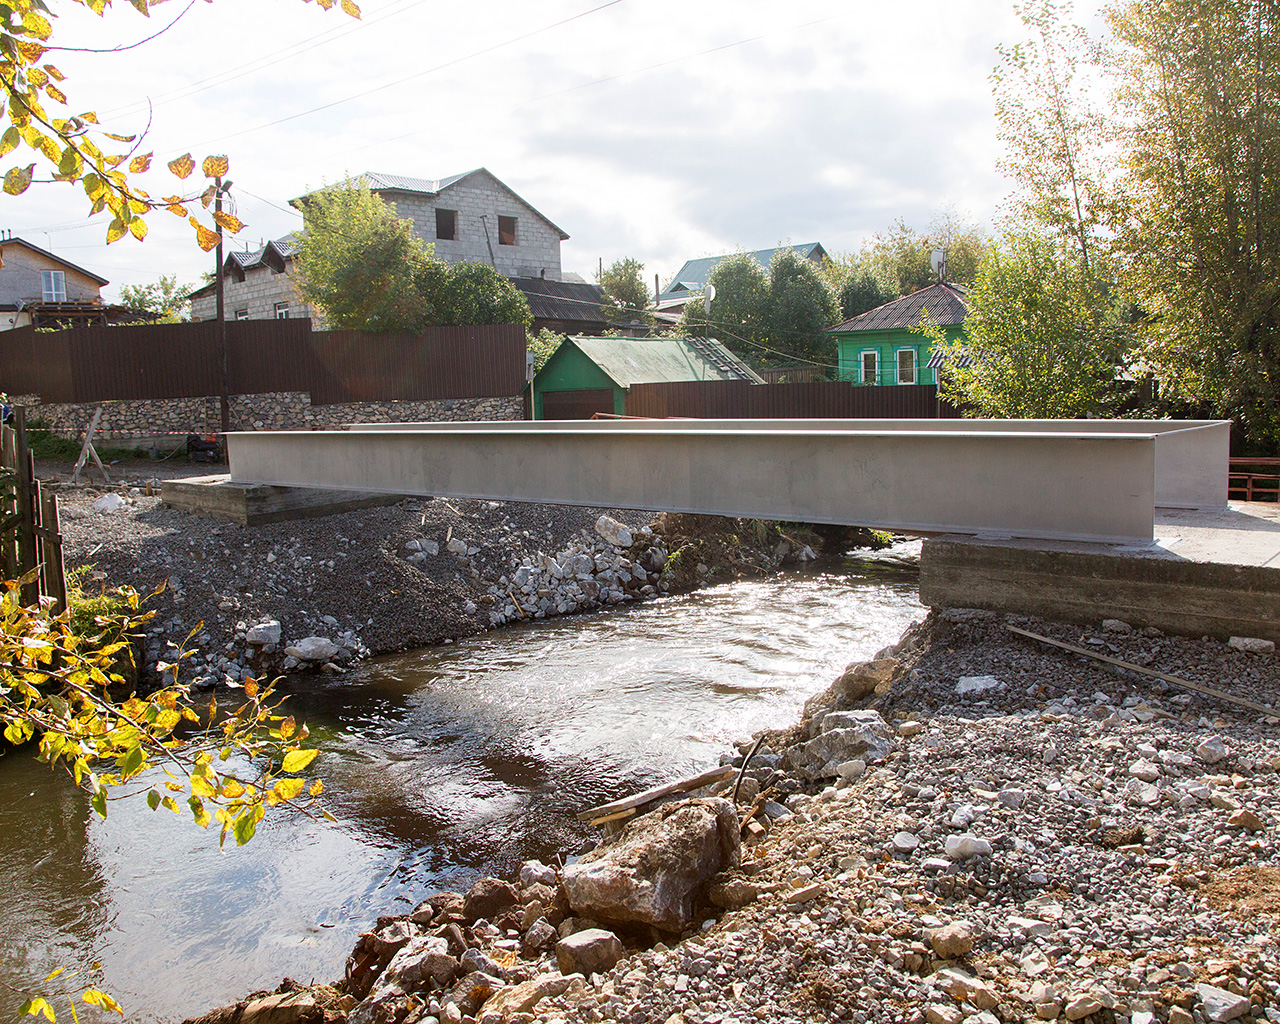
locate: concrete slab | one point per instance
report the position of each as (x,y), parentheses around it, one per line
(255,504)
(1207,573)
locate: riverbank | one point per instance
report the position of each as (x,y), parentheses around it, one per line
(319,594)
(1023,834)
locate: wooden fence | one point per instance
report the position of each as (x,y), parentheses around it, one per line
(734,399)
(157,361)
(30,536)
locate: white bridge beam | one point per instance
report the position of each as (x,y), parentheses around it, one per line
(1069,480)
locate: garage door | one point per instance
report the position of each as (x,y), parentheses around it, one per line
(576,405)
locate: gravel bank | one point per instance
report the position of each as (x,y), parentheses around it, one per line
(1042,838)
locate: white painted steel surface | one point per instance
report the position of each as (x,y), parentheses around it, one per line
(1049,484)
(1192,456)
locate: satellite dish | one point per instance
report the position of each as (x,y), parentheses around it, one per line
(938,261)
(707,298)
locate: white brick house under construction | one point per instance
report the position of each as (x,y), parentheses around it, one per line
(466,217)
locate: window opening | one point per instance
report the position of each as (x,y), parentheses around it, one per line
(906,366)
(870,367)
(242,314)
(506,230)
(447,224)
(53,286)
(282,311)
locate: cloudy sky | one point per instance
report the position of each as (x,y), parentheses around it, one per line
(657,129)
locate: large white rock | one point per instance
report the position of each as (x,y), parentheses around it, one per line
(614,532)
(966,845)
(843,736)
(312,648)
(978,684)
(109,503)
(263,633)
(1252,645)
(1220,1005)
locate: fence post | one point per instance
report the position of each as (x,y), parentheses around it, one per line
(54,571)
(26,513)
(9,504)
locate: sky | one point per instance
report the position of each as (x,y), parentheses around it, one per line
(653,129)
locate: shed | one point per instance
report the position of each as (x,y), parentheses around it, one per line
(585,376)
(879,346)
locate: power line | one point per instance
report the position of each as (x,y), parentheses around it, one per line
(409,78)
(130,46)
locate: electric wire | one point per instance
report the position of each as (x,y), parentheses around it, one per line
(122,49)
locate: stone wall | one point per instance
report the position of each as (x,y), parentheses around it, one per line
(257,295)
(288,410)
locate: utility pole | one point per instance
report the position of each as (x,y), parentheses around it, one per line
(220,190)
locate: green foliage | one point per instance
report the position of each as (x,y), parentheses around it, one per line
(859,293)
(1036,332)
(543,344)
(800,308)
(775,317)
(1200,85)
(626,297)
(165,296)
(366,269)
(48,446)
(900,258)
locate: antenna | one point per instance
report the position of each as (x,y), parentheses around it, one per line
(938,262)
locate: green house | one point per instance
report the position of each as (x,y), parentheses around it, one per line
(879,347)
(585,376)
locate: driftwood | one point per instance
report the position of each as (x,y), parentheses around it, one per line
(630,803)
(1186,684)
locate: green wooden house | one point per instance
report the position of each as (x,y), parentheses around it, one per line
(585,376)
(879,347)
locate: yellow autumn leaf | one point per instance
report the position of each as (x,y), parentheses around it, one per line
(94,997)
(177,210)
(250,687)
(231,789)
(182,166)
(120,138)
(29,51)
(55,92)
(350,8)
(139,164)
(231,223)
(205,238)
(288,727)
(36,25)
(287,789)
(297,760)
(215,166)
(18,179)
(317,788)
(53,72)
(200,786)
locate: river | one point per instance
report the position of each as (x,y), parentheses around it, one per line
(439,765)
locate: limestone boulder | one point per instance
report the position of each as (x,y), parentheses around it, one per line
(842,736)
(588,952)
(865,678)
(616,533)
(313,648)
(488,898)
(654,870)
(522,998)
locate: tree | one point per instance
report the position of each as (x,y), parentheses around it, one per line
(166,297)
(1033,335)
(1053,134)
(1200,85)
(65,143)
(860,292)
(626,298)
(801,307)
(367,269)
(543,345)
(738,311)
(900,259)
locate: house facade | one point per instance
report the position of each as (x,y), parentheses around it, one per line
(41,289)
(880,347)
(471,217)
(257,285)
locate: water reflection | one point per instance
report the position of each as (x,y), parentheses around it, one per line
(438,765)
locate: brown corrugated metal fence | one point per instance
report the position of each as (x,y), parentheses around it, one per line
(735,399)
(156,361)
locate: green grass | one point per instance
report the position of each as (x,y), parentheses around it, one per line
(49,447)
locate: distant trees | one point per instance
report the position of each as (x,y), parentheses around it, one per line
(626,298)
(168,298)
(366,269)
(773,317)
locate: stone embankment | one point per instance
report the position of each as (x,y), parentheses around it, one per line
(970,828)
(318,594)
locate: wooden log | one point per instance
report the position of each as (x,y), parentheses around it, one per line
(658,792)
(87,450)
(1186,684)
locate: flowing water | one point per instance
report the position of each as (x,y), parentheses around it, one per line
(439,765)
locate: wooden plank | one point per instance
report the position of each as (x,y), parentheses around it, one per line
(1186,684)
(8,504)
(707,778)
(55,574)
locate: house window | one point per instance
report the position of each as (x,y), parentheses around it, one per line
(447,224)
(506,230)
(53,286)
(870,366)
(906,366)
(282,311)
(242,314)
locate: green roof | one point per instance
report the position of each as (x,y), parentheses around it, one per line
(630,361)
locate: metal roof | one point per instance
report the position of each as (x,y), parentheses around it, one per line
(630,361)
(275,254)
(52,256)
(692,277)
(562,300)
(946,304)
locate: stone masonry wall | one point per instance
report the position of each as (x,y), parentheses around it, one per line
(258,293)
(288,410)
